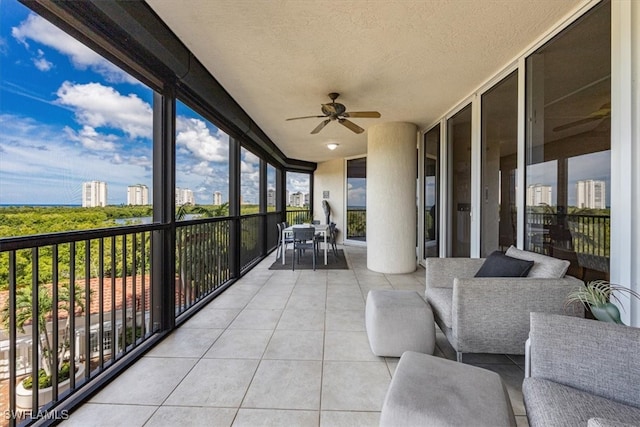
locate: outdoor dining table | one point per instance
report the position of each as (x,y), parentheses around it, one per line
(320,228)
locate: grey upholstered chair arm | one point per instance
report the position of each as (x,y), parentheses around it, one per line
(596,357)
(493,313)
(440,272)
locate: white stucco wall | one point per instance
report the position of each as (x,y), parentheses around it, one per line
(330,176)
(391,198)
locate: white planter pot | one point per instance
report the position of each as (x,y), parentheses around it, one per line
(24,396)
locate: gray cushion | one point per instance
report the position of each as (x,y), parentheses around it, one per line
(604,422)
(544,266)
(397,321)
(551,404)
(430,391)
(440,301)
(499,265)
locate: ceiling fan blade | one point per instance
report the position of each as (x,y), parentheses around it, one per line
(351,126)
(320,126)
(363,114)
(305,117)
(577,123)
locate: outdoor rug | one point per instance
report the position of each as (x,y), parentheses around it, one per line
(306,263)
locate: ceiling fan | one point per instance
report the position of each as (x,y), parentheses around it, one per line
(603,112)
(336,111)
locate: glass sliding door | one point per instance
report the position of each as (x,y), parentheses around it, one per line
(459,159)
(499,166)
(568,147)
(356,226)
(431,191)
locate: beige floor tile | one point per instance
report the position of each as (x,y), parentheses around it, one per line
(340,345)
(268,302)
(214,383)
(240,344)
(171,416)
(285,384)
(295,345)
(256,319)
(345,303)
(148,382)
(210,317)
(303,302)
(275,418)
(345,320)
(109,415)
(349,419)
(185,342)
(354,386)
(302,320)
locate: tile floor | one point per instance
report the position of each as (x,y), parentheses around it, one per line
(279,348)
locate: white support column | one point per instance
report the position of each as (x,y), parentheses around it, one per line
(625,153)
(391,198)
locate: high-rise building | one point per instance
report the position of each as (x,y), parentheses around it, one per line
(138,194)
(591,194)
(307,202)
(297,199)
(94,193)
(184,196)
(271,197)
(538,194)
(217,198)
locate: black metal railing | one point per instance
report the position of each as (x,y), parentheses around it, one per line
(299,216)
(272,230)
(583,234)
(202,260)
(250,240)
(356,223)
(75,303)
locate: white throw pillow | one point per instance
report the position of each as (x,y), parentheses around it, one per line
(544,267)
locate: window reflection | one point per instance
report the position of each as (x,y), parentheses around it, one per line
(568,146)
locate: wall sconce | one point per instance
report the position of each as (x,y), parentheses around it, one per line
(332,146)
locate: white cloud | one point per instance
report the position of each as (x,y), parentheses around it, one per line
(98,106)
(202,169)
(42,64)
(194,136)
(38,29)
(246,168)
(92,140)
(250,158)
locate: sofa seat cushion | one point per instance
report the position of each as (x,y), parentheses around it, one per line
(551,404)
(440,301)
(544,267)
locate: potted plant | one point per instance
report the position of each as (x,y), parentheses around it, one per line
(24,315)
(597,295)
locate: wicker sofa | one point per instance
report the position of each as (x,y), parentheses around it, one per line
(583,373)
(491,314)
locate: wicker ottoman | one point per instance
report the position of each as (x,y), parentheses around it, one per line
(399,321)
(431,391)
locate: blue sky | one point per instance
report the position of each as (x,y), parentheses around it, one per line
(67,116)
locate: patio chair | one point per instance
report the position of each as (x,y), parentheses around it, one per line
(287,240)
(303,238)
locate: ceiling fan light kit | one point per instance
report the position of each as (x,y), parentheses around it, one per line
(332,146)
(334,111)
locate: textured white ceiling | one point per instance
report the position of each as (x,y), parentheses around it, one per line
(410,60)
